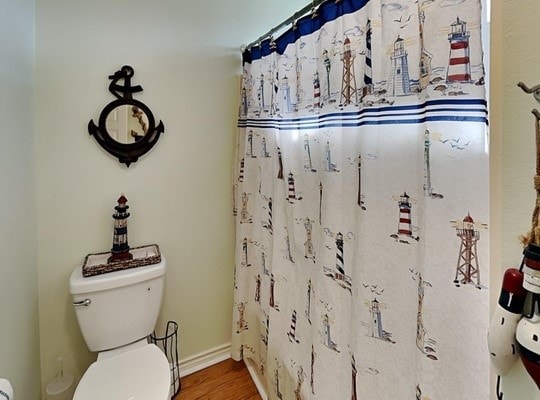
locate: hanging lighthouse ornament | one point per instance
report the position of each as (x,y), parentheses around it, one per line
(120,248)
(515,328)
(126,127)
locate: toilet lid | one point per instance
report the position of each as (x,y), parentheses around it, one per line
(139,374)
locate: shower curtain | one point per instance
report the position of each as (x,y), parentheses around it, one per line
(361,204)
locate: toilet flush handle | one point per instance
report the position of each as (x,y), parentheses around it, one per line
(85,303)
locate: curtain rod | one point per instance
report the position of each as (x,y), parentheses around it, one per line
(309,8)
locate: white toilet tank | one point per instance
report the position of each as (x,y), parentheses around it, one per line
(118,308)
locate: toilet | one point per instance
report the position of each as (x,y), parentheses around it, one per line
(116,312)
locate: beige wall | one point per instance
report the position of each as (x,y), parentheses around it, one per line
(515,58)
(19,336)
(186,56)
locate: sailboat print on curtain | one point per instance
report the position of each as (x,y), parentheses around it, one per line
(361,135)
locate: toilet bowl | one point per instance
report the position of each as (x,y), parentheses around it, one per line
(116,312)
(137,374)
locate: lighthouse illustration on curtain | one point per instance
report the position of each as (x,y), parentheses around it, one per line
(285,103)
(264,270)
(264,149)
(249,147)
(292,194)
(368,80)
(244,103)
(425,56)
(245,216)
(279,395)
(327,66)
(338,275)
(428,189)
(348,84)
(405,228)
(424,344)
(360,197)
(260,94)
(316,91)
(300,382)
(266,323)
(268,224)
(327,337)
(293,338)
(245,261)
(399,83)
(459,67)
(258,289)
(299,90)
(467,269)
(241,324)
(329,166)
(241,172)
(354,371)
(375,326)
(308,244)
(309,295)
(308,164)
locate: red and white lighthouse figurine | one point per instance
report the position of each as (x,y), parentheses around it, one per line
(120,249)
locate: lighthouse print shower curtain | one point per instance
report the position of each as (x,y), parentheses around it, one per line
(361,205)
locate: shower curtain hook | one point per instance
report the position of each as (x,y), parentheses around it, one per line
(273,44)
(313,10)
(499,394)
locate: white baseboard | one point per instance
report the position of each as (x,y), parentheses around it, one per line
(252,369)
(204,359)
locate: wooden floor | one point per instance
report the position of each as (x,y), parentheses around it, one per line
(228,380)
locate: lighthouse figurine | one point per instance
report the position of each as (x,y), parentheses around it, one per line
(120,249)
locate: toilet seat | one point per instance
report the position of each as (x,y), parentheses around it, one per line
(139,374)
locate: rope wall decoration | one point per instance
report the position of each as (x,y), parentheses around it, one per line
(533,237)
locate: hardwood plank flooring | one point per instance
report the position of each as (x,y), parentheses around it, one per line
(227,380)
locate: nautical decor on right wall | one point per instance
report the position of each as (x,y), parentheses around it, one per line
(515,328)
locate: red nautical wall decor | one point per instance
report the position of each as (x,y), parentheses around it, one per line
(515,327)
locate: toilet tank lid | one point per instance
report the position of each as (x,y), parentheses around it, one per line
(79,284)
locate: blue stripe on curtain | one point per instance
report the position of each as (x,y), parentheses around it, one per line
(471,110)
(327,12)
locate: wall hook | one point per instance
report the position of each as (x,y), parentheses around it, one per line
(535,90)
(500,395)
